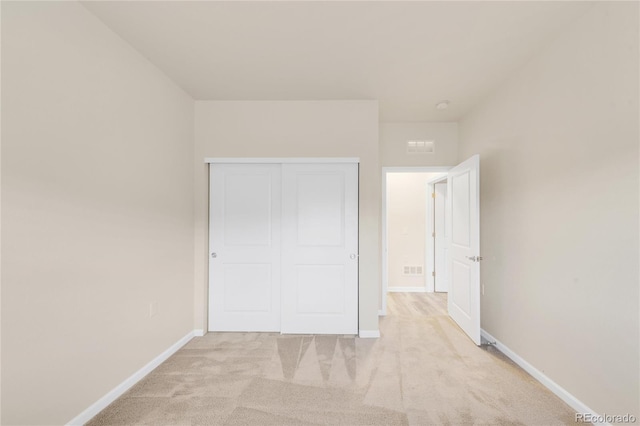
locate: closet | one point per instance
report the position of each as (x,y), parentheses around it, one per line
(283,246)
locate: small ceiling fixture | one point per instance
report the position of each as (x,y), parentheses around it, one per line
(442,105)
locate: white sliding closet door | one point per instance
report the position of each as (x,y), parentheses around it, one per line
(320,248)
(244,247)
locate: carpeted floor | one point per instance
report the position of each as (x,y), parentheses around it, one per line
(422,371)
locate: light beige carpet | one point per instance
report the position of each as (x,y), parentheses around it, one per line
(422,371)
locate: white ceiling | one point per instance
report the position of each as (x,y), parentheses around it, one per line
(408,55)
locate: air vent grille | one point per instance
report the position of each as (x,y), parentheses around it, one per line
(420,147)
(412,270)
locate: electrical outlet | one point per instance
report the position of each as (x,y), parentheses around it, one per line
(153,309)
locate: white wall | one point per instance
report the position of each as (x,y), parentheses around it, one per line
(97,212)
(407,226)
(558,146)
(394,137)
(293,129)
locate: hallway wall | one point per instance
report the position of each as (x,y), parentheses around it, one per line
(407,227)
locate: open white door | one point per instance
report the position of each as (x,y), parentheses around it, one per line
(463,189)
(320,248)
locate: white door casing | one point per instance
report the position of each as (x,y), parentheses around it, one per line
(463,192)
(441,242)
(320,248)
(244,247)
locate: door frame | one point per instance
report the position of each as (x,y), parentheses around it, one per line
(382,308)
(430,253)
(268,160)
(280,160)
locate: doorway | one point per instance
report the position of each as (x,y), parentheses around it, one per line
(406,263)
(438,236)
(462,222)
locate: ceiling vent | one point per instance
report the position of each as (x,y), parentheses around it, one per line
(420,147)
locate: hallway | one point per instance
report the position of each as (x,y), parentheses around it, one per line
(422,371)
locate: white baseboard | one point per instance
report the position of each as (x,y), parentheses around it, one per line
(369,334)
(558,390)
(381,313)
(406,290)
(198,332)
(116,392)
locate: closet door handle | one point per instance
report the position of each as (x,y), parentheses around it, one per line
(353,256)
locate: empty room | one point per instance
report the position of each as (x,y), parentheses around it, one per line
(319,212)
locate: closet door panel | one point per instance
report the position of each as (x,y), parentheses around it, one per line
(244,258)
(320,248)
